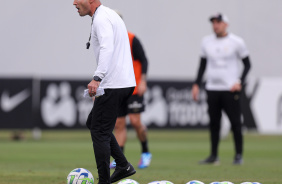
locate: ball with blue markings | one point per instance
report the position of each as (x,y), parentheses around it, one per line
(195,182)
(128,181)
(161,182)
(80,176)
(215,182)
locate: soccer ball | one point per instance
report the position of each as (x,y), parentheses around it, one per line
(215,182)
(166,182)
(195,182)
(128,181)
(250,183)
(226,182)
(80,176)
(161,182)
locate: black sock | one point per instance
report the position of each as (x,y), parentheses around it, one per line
(145,146)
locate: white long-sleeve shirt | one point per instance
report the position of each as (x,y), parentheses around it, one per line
(110,42)
(223,57)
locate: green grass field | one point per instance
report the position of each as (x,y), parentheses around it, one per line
(175,158)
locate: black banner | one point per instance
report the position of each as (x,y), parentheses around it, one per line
(60,104)
(16,103)
(170,105)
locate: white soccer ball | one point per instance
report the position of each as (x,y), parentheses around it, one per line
(215,182)
(226,182)
(80,176)
(166,182)
(128,181)
(161,182)
(195,182)
(250,183)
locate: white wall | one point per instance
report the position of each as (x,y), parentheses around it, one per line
(47,38)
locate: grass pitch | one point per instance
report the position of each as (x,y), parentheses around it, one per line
(175,158)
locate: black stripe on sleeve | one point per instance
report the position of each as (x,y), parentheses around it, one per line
(247,67)
(202,68)
(139,54)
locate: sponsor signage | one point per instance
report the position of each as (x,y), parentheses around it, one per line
(16,103)
(170,105)
(60,104)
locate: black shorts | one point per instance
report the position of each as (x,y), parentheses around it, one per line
(135,104)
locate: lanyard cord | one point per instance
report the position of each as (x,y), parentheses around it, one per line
(88,43)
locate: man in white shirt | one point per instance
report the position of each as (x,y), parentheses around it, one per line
(220,56)
(115,75)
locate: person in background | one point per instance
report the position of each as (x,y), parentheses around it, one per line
(221,53)
(135,104)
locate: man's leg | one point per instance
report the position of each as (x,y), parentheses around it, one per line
(141,130)
(215,117)
(104,114)
(117,153)
(102,155)
(121,131)
(121,171)
(231,105)
(135,108)
(120,135)
(214,110)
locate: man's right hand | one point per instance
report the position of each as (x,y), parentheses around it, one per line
(92,87)
(142,87)
(195,92)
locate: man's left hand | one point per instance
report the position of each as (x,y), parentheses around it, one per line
(236,87)
(142,87)
(92,87)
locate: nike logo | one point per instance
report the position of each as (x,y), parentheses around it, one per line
(128,168)
(10,103)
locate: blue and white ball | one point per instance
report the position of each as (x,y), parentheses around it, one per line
(80,176)
(250,183)
(161,182)
(215,182)
(128,181)
(195,182)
